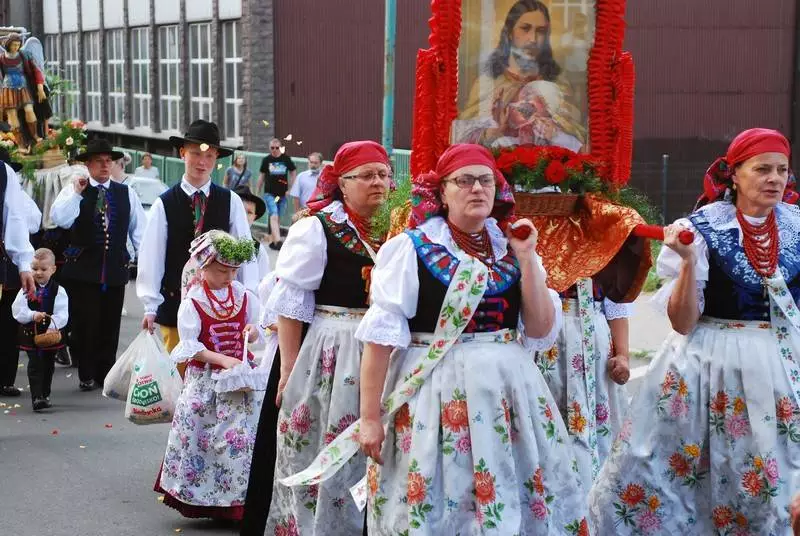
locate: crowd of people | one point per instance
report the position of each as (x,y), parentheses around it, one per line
(430,376)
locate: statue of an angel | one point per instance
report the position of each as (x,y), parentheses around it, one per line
(22,69)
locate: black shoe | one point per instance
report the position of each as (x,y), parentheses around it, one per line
(10,390)
(87,386)
(63,358)
(39,404)
(276,245)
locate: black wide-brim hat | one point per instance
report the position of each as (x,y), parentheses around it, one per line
(244,192)
(202,132)
(98,146)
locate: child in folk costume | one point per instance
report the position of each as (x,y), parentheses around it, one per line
(207,461)
(46,312)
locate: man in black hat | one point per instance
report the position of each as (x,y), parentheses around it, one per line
(193,206)
(101,214)
(16,255)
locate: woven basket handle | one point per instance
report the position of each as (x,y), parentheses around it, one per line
(47,317)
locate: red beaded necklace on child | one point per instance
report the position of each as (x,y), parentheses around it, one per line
(222,308)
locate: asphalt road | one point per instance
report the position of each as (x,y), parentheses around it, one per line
(81,468)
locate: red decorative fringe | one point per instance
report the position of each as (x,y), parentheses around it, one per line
(624,85)
(610,80)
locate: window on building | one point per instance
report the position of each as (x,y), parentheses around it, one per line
(52,56)
(115,52)
(233,79)
(72,66)
(169,60)
(91,47)
(563,12)
(140,54)
(200,70)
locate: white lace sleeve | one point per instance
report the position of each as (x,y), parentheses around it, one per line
(614,311)
(394,292)
(189,330)
(544,343)
(668,266)
(299,269)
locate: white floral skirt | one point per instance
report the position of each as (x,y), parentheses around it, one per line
(210,444)
(321,400)
(712,441)
(480,449)
(563,368)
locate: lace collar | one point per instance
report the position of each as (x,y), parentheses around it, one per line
(721,216)
(438,232)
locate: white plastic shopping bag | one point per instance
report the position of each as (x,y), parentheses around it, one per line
(155,386)
(118,378)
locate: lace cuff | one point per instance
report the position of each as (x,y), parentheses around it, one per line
(293,302)
(614,311)
(186,350)
(242,377)
(544,343)
(380,326)
(660,299)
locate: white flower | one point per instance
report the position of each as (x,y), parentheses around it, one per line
(204,147)
(69,141)
(7,143)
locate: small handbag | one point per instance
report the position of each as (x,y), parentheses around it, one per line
(48,338)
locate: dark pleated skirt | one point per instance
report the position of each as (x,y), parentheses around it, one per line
(262,469)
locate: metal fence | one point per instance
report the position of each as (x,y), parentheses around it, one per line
(171,170)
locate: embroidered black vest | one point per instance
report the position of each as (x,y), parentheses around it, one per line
(343,283)
(180,233)
(734,290)
(97,255)
(45,302)
(498,309)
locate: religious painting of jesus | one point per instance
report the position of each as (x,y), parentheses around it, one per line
(522,73)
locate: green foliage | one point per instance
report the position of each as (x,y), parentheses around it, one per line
(234,251)
(381,221)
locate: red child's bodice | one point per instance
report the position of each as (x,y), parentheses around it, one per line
(222,336)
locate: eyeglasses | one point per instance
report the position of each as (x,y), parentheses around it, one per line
(369,176)
(468,181)
(275,148)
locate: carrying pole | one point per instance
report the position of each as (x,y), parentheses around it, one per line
(390,30)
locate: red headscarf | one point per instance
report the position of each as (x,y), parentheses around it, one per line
(745,146)
(425,200)
(348,157)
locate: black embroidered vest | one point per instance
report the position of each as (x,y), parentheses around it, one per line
(180,233)
(45,303)
(343,283)
(96,254)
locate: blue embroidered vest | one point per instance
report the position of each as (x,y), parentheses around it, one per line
(498,309)
(734,290)
(96,254)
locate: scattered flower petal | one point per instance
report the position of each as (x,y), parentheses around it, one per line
(108,425)
(219,166)
(7,411)
(69,375)
(54,432)
(161,498)
(204,147)
(17,406)
(283,150)
(288,138)
(81,446)
(178,530)
(266,123)
(299,143)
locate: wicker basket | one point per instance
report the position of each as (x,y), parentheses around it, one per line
(545,204)
(46,339)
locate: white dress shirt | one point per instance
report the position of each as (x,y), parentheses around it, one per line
(33,216)
(67,207)
(152,256)
(262,257)
(24,314)
(15,224)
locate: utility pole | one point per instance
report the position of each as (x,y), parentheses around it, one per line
(390,30)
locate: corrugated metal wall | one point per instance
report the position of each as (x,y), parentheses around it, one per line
(705,70)
(329,71)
